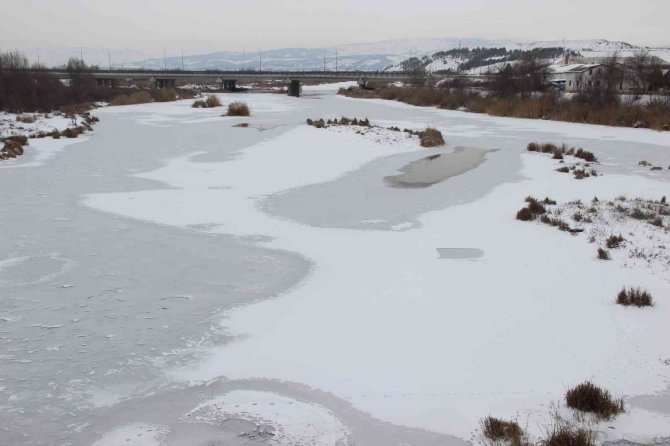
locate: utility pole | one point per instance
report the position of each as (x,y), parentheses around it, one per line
(244,62)
(38,57)
(81,54)
(336,59)
(164,60)
(260,60)
(109,58)
(182,59)
(324,60)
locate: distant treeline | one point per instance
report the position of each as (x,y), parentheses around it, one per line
(23,91)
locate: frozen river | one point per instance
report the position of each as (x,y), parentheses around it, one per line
(174,279)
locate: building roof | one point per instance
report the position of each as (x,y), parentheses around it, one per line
(572,68)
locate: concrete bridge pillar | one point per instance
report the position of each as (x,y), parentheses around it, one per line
(106,83)
(164,83)
(294,89)
(230,85)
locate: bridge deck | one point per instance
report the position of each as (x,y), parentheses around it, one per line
(214,75)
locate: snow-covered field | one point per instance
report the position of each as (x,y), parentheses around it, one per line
(382,322)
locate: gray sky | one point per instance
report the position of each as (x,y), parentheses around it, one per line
(204,25)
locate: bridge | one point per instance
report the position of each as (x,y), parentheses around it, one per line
(228,79)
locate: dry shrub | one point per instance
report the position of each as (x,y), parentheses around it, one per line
(139,97)
(603,254)
(657,221)
(586,156)
(431,137)
(212,101)
(25,119)
(499,431)
(199,104)
(165,95)
(12,149)
(564,169)
(238,109)
(533,209)
(525,214)
(21,140)
(588,397)
(566,434)
(533,147)
(614,241)
(634,297)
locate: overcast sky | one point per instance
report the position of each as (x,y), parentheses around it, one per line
(204,25)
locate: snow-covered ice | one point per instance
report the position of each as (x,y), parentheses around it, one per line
(380,320)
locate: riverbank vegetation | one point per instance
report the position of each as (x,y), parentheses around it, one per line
(238,109)
(549,106)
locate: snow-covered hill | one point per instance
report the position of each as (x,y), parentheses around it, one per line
(448,59)
(360,56)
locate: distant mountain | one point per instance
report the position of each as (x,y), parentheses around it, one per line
(388,54)
(496,54)
(289,59)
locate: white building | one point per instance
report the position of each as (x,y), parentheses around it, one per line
(576,77)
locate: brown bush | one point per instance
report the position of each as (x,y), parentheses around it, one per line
(212,101)
(238,109)
(565,434)
(497,431)
(199,104)
(431,137)
(18,139)
(587,397)
(165,95)
(603,254)
(614,241)
(25,119)
(586,156)
(657,221)
(525,214)
(12,148)
(634,297)
(139,97)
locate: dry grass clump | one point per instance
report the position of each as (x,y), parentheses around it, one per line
(562,151)
(566,434)
(634,297)
(431,137)
(165,95)
(343,121)
(13,147)
(657,221)
(211,101)
(532,210)
(238,109)
(499,431)
(139,97)
(604,254)
(25,119)
(614,241)
(72,132)
(588,397)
